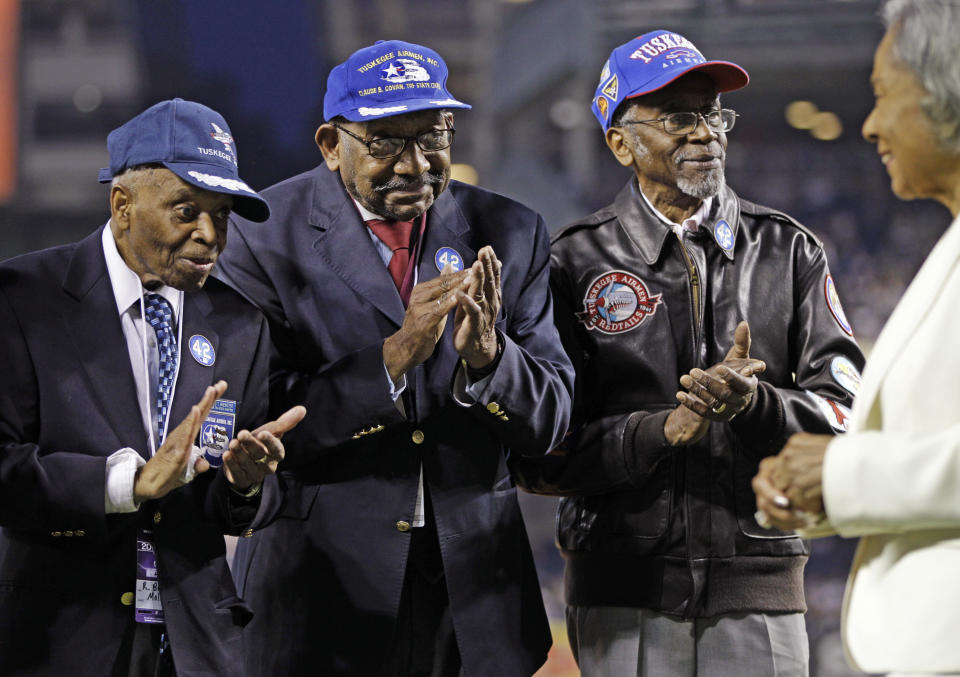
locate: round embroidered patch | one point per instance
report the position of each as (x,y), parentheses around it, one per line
(845,374)
(837,415)
(723,234)
(833,303)
(616,302)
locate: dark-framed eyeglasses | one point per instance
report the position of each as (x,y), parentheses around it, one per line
(685,122)
(431,141)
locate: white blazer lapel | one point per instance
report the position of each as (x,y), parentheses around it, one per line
(909,312)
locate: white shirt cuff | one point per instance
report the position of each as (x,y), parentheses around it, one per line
(467,393)
(122,466)
(396,389)
(190,472)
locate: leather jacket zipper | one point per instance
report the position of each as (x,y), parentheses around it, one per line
(694,289)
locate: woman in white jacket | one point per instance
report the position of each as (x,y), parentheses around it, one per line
(894,478)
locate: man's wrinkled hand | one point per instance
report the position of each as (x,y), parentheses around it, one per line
(727,388)
(474,337)
(251,456)
(684,426)
(424,321)
(164,472)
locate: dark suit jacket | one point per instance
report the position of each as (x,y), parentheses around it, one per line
(325,580)
(67,401)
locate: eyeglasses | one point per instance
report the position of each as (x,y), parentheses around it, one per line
(686,122)
(391,146)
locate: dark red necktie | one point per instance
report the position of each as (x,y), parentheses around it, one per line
(396,235)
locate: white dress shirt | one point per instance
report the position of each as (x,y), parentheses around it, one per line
(123,464)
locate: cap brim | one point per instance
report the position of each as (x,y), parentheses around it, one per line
(727,76)
(246,203)
(399,108)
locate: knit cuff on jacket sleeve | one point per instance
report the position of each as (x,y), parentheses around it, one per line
(644,444)
(760,427)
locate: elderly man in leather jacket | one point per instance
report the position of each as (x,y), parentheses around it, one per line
(704,330)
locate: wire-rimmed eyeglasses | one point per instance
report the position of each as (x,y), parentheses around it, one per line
(431,141)
(685,122)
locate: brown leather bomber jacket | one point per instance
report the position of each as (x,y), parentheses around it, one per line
(672,529)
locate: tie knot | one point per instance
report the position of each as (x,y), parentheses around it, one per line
(394,234)
(159,312)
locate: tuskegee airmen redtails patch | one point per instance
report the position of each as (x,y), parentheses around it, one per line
(616,302)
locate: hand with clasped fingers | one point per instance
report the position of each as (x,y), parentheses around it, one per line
(716,394)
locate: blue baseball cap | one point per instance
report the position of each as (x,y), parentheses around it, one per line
(391,77)
(193,142)
(651,62)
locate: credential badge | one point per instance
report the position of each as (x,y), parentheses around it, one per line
(217,431)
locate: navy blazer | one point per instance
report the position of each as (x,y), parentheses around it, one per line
(67,401)
(325,580)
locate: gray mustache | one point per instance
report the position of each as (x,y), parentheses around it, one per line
(682,156)
(400,183)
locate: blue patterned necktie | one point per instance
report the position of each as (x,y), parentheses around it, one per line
(160,316)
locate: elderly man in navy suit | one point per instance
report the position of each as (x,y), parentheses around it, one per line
(412,315)
(115,353)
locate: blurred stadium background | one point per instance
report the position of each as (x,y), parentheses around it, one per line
(70,71)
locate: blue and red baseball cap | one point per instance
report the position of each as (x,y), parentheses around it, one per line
(391,77)
(651,62)
(193,142)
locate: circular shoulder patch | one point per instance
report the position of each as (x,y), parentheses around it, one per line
(447,255)
(723,234)
(616,302)
(833,303)
(844,373)
(202,350)
(837,415)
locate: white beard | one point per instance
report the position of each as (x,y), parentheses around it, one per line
(708,186)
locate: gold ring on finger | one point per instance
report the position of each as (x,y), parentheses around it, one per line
(262,459)
(719,410)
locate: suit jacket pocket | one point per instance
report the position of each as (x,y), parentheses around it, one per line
(299,500)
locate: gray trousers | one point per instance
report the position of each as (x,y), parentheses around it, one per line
(628,642)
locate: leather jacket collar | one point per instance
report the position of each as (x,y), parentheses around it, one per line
(649,233)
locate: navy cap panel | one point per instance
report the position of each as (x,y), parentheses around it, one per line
(388,78)
(191,140)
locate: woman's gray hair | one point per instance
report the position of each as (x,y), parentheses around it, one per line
(927,39)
